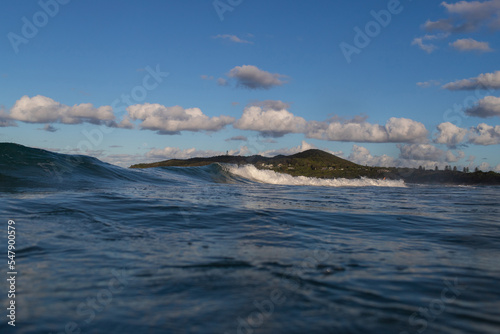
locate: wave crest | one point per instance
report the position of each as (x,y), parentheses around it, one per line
(271,177)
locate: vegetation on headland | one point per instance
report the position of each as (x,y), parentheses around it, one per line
(320,164)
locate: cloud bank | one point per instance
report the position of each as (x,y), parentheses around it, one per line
(483,134)
(396,130)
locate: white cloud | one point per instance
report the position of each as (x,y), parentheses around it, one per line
(420,152)
(41,109)
(173,120)
(450,134)
(395,130)
(483,81)
(271,119)
(411,156)
(252,77)
(451,157)
(206,77)
(497,168)
(466,16)
(427,47)
(125,123)
(232,38)
(484,134)
(469,44)
(362,156)
(427,156)
(486,107)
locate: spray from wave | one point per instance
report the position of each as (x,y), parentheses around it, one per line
(271,177)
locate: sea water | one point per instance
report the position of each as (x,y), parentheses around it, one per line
(231,249)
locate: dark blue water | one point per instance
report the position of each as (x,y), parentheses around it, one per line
(102,249)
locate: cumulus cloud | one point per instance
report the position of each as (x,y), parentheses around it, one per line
(251,77)
(395,130)
(467,16)
(362,156)
(484,134)
(450,134)
(420,152)
(206,77)
(232,38)
(271,119)
(426,155)
(483,81)
(486,107)
(41,109)
(411,156)
(469,44)
(422,42)
(173,120)
(497,168)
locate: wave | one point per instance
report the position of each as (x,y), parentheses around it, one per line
(271,177)
(25,167)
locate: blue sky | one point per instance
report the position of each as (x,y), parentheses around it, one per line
(271,75)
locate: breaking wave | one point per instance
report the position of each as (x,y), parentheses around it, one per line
(271,177)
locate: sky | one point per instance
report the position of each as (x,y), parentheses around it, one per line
(386,83)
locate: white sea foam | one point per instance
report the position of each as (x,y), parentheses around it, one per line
(272,177)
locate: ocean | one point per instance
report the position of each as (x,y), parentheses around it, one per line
(231,249)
